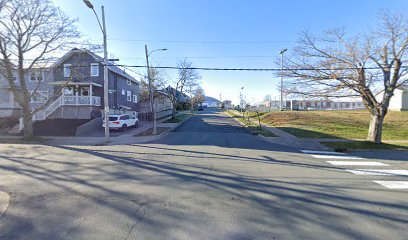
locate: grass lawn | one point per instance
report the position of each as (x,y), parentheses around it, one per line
(254,128)
(365,145)
(178,118)
(336,124)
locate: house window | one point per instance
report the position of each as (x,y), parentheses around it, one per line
(14,77)
(135,98)
(36,76)
(38,96)
(94,69)
(129,96)
(129,82)
(67,70)
(123,92)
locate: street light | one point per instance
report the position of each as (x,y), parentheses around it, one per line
(242,101)
(105,68)
(281,80)
(150,86)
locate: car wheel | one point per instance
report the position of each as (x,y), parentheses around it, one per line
(124,128)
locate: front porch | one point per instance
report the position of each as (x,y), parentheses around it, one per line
(79,94)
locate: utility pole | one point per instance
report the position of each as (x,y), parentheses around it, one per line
(105,67)
(241,96)
(281,79)
(191,101)
(151,93)
(105,78)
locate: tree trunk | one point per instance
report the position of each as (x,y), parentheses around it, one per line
(28,125)
(173,113)
(259,120)
(375,129)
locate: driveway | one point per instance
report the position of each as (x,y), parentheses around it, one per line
(208,179)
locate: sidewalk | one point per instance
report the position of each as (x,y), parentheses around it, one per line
(123,139)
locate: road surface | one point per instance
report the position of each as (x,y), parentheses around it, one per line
(208,179)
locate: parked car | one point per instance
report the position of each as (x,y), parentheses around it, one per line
(122,122)
(200,108)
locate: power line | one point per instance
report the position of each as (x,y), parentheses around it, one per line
(204,57)
(253,69)
(128,67)
(201,42)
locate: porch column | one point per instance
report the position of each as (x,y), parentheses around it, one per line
(90,94)
(76,94)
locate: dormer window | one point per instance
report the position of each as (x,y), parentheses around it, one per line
(94,69)
(67,70)
(129,82)
(36,76)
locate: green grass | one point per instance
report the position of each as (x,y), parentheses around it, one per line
(337,124)
(366,145)
(178,118)
(254,128)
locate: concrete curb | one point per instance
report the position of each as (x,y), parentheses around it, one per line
(4,202)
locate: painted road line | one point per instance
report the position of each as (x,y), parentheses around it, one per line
(393,184)
(360,163)
(320,152)
(336,157)
(381,172)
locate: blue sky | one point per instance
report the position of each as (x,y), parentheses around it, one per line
(221,33)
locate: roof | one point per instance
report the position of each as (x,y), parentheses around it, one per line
(111,66)
(211,99)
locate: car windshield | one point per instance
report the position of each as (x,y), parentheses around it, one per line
(113,118)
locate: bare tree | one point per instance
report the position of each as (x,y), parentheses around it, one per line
(199,96)
(158,79)
(186,76)
(370,66)
(31,31)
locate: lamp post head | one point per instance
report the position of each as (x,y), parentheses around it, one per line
(242,87)
(283,51)
(164,49)
(89,4)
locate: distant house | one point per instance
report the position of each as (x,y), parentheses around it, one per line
(8,106)
(183,99)
(399,102)
(227,104)
(36,79)
(314,105)
(211,102)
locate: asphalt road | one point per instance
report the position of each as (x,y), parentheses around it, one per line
(208,179)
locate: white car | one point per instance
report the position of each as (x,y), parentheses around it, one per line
(122,122)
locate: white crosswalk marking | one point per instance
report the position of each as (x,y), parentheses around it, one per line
(320,152)
(393,184)
(360,163)
(336,157)
(347,161)
(381,172)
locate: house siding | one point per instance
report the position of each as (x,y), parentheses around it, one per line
(81,72)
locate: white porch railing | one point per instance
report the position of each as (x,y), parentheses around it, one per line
(81,100)
(64,101)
